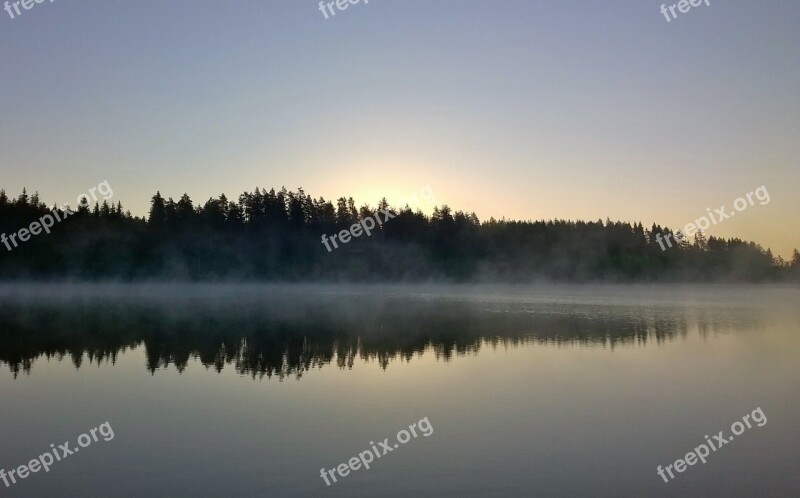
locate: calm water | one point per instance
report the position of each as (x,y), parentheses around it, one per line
(546,391)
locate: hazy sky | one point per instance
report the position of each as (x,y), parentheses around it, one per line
(524,109)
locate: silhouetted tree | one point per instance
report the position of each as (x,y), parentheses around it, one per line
(276,235)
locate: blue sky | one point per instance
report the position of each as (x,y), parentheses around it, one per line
(524,109)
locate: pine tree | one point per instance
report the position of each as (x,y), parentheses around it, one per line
(185,208)
(158,215)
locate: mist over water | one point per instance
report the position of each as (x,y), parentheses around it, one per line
(251,389)
(267,330)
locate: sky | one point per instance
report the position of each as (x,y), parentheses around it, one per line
(511,108)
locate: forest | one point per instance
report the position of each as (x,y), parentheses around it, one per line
(276,236)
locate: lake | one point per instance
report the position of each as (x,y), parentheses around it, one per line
(265,390)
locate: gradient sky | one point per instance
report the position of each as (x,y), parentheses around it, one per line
(524,109)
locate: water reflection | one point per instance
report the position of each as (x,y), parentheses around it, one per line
(279,336)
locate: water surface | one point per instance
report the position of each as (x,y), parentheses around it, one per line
(250,390)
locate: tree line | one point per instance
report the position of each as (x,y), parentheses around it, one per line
(276,236)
